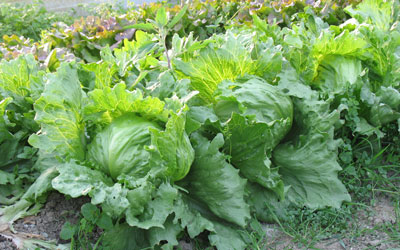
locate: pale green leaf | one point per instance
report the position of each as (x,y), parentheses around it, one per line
(109,103)
(58,111)
(141,26)
(161,17)
(157,209)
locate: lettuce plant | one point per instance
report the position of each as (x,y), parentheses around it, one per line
(200,138)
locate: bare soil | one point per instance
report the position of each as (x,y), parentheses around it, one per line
(47,224)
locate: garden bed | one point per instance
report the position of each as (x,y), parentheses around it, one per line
(213,125)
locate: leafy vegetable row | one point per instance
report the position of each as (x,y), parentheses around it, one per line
(199,136)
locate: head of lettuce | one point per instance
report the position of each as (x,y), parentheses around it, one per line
(120,148)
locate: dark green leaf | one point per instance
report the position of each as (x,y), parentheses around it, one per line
(105,222)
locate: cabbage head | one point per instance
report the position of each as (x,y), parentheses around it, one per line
(135,146)
(120,147)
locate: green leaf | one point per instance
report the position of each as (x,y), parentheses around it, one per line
(169,233)
(261,25)
(138,198)
(267,59)
(215,182)
(385,107)
(250,146)
(267,205)
(123,237)
(226,238)
(4,133)
(104,72)
(308,161)
(174,147)
(77,180)
(3,104)
(190,219)
(105,222)
(232,56)
(178,16)
(310,167)
(212,66)
(161,17)
(67,231)
(199,116)
(58,111)
(90,212)
(259,101)
(258,116)
(140,26)
(376,12)
(113,199)
(6,178)
(109,103)
(20,78)
(291,84)
(157,209)
(29,203)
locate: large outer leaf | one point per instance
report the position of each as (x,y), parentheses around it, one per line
(226,238)
(58,111)
(202,116)
(174,147)
(217,183)
(308,162)
(255,97)
(266,205)
(169,234)
(258,116)
(249,144)
(156,209)
(190,218)
(268,59)
(78,180)
(310,167)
